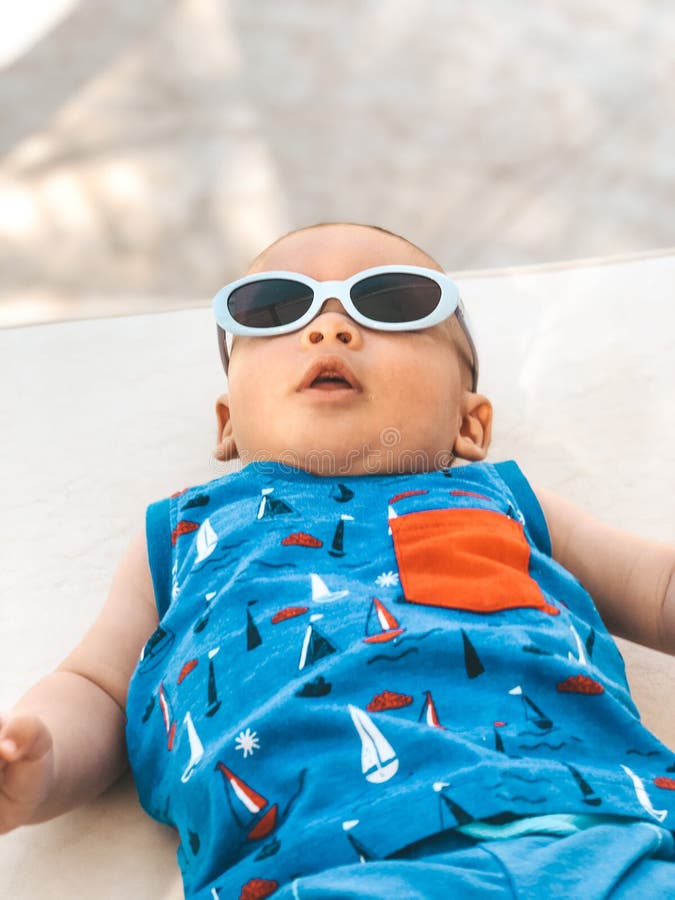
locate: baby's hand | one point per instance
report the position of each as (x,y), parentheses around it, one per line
(26,768)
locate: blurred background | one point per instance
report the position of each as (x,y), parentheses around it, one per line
(149,150)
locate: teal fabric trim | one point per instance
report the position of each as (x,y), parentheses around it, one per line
(560,824)
(158,536)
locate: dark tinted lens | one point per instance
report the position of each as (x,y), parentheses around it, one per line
(265,304)
(396,297)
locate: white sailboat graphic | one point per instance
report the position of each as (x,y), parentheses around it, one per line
(207,541)
(581,656)
(379,762)
(643,796)
(196,749)
(321,593)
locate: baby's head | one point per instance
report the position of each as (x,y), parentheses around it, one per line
(336,396)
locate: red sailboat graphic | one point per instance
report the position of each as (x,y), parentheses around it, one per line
(261,815)
(167,715)
(387,623)
(429,713)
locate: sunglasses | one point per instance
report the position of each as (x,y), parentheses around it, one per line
(385,298)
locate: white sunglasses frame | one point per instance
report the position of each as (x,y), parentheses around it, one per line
(450,303)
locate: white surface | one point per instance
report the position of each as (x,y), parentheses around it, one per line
(148,150)
(98,418)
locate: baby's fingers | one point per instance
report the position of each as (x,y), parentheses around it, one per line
(23,738)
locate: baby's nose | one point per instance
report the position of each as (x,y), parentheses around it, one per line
(332,324)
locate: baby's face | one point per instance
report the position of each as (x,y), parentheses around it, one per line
(337,398)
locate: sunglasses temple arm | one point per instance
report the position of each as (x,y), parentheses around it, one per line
(222,347)
(461,318)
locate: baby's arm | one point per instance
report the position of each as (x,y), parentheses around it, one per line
(63,743)
(632,580)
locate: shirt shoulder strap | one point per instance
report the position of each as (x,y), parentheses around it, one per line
(526,499)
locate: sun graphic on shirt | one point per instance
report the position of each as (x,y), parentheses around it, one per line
(387,579)
(248,742)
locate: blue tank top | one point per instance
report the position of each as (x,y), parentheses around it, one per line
(344,666)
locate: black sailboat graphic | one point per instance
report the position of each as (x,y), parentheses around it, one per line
(194,841)
(319,687)
(156,648)
(271,506)
(590,796)
(499,743)
(148,709)
(202,622)
(214,702)
(532,712)
(337,547)
(474,667)
(314,645)
(363,853)
(447,805)
(341,493)
(253,638)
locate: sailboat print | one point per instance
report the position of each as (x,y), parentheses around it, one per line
(389,627)
(214,702)
(270,506)
(643,796)
(429,713)
(474,667)
(459,815)
(590,797)
(337,547)
(156,648)
(379,762)
(321,593)
(253,638)
(532,712)
(341,493)
(167,715)
(581,656)
(196,749)
(251,802)
(207,541)
(361,851)
(202,622)
(314,645)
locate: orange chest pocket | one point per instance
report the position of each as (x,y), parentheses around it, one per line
(472,559)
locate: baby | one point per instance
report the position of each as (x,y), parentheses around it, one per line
(357,668)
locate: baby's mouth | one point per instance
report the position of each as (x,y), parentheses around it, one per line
(330,382)
(330,374)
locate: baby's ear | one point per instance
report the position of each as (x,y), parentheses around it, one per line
(475,430)
(226,447)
